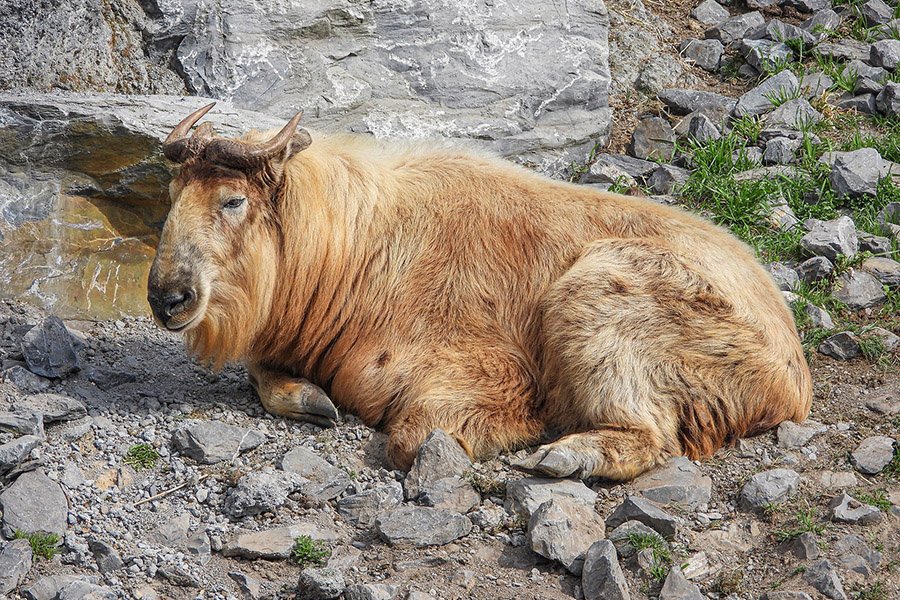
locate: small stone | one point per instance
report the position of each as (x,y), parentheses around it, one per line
(814,85)
(778,31)
(842,346)
(864,103)
(524,496)
(48,588)
(817,268)
(886,54)
(758,100)
(837,480)
(819,317)
(667,179)
(796,113)
(563,529)
(325,481)
(858,290)
(325,583)
(34,503)
(808,6)
(847,509)
(361,509)
(871,456)
(769,487)
(781,151)
(248,585)
(845,49)
(876,245)
(198,545)
(822,577)
(885,270)
(50,350)
(677,587)
(635,508)
(784,277)
(888,99)
(421,526)
(805,546)
(608,174)
(889,340)
(210,442)
(679,482)
(25,380)
(854,554)
(439,456)
(794,435)
(172,532)
(653,139)
(52,407)
(273,543)
(889,218)
(371,591)
(15,562)
(634,167)
(26,423)
(702,130)
(108,560)
(856,173)
(735,28)
(83,590)
(765,54)
(831,238)
(682,101)
(602,577)
(710,12)
(706,54)
(260,492)
(107,379)
(788,595)
(876,12)
(823,23)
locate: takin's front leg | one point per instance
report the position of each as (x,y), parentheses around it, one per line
(291,397)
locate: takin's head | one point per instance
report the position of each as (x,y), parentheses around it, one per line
(214,270)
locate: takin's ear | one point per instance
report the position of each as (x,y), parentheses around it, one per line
(300,141)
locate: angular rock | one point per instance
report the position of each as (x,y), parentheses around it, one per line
(438,457)
(653,139)
(25,380)
(198,545)
(769,487)
(172,532)
(608,174)
(888,100)
(325,583)
(845,49)
(818,317)
(794,435)
(563,529)
(273,543)
(248,585)
(667,179)
(805,546)
(635,508)
(873,454)
(524,496)
(875,244)
(796,113)
(765,54)
(710,12)
(885,270)
(734,28)
(842,346)
(831,238)
(602,577)
(26,423)
(50,350)
(876,12)
(889,340)
(679,482)
(421,526)
(621,537)
(706,54)
(702,130)
(788,595)
(847,509)
(777,30)
(682,101)
(818,268)
(889,218)
(107,379)
(822,576)
(854,554)
(48,588)
(677,587)
(814,85)
(108,560)
(16,451)
(371,591)
(823,23)
(864,103)
(83,590)
(784,277)
(210,442)
(325,481)
(361,509)
(52,407)
(635,167)
(34,503)
(858,290)
(15,562)
(781,151)
(261,492)
(856,173)
(451,493)
(758,101)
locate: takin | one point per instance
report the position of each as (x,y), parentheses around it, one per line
(428,287)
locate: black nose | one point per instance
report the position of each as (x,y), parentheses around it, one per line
(166,303)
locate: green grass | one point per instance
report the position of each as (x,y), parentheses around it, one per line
(45,545)
(805,523)
(893,467)
(141,456)
(872,591)
(878,499)
(872,347)
(307,551)
(661,560)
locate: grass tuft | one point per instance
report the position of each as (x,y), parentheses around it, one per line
(45,545)
(141,456)
(661,560)
(878,499)
(805,523)
(307,551)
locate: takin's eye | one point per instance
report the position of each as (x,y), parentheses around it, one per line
(233,203)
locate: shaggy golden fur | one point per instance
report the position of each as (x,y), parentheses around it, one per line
(427,287)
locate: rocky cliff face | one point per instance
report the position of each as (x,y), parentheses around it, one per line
(82,181)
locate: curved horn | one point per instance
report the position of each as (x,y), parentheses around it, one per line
(239,154)
(176,147)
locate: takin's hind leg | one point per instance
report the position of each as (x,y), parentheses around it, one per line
(617,453)
(292,397)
